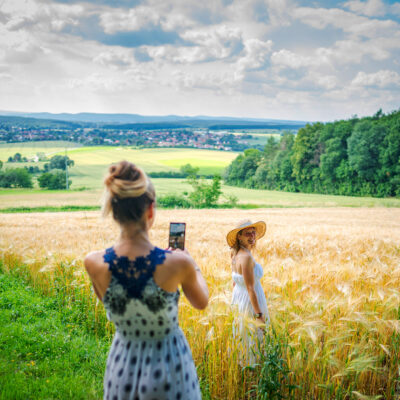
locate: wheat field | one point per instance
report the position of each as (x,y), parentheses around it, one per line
(331,276)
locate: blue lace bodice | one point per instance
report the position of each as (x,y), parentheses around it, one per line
(134,274)
(132,280)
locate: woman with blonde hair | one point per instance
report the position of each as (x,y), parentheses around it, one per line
(248,295)
(139,286)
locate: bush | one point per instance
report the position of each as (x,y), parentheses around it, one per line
(53,180)
(205,195)
(173,201)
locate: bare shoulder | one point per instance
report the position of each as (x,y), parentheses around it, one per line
(180,258)
(181,262)
(94,261)
(245,259)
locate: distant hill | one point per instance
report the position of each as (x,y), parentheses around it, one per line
(135,120)
(37,123)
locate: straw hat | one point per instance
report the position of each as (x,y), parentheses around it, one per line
(260,230)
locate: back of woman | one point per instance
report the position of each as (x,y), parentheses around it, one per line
(138,284)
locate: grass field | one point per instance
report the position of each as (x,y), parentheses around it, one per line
(11,198)
(91,163)
(331,276)
(265,198)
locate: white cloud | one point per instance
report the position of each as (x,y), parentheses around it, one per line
(215,43)
(289,59)
(371,8)
(118,57)
(221,41)
(381,79)
(233,57)
(121,20)
(256,54)
(41,16)
(321,18)
(328,82)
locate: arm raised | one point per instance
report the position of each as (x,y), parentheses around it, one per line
(193,284)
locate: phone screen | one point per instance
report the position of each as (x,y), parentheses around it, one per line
(177,235)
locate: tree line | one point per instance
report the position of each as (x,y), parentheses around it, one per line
(358,156)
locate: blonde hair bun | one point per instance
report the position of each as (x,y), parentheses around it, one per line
(125,180)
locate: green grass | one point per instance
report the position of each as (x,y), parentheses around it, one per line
(93,161)
(13,199)
(45,352)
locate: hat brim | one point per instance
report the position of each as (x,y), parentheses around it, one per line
(260,227)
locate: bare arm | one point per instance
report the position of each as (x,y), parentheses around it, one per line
(98,274)
(193,284)
(248,276)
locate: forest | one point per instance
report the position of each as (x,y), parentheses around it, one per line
(358,157)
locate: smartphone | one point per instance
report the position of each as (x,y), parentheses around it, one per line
(177,232)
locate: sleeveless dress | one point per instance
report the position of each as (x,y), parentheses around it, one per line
(244,328)
(149,357)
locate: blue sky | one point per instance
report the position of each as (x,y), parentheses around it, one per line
(285,59)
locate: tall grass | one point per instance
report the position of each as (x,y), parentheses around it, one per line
(332,279)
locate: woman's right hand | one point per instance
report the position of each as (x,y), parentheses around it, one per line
(261,319)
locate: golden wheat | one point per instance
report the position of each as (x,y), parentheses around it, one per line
(332,279)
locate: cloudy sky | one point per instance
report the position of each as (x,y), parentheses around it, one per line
(285,59)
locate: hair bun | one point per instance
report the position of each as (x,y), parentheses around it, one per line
(125,180)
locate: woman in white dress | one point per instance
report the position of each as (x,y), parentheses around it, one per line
(248,295)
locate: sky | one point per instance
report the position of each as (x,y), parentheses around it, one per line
(281,59)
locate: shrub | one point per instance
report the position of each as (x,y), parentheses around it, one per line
(173,201)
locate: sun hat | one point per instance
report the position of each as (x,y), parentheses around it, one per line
(260,230)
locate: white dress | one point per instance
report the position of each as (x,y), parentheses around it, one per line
(245,330)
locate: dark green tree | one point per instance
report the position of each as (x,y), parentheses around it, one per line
(53,180)
(363,149)
(59,162)
(242,170)
(15,178)
(307,151)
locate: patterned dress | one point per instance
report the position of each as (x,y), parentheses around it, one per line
(149,356)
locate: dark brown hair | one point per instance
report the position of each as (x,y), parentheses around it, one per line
(128,192)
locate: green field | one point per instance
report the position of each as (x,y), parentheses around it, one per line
(91,166)
(91,163)
(10,198)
